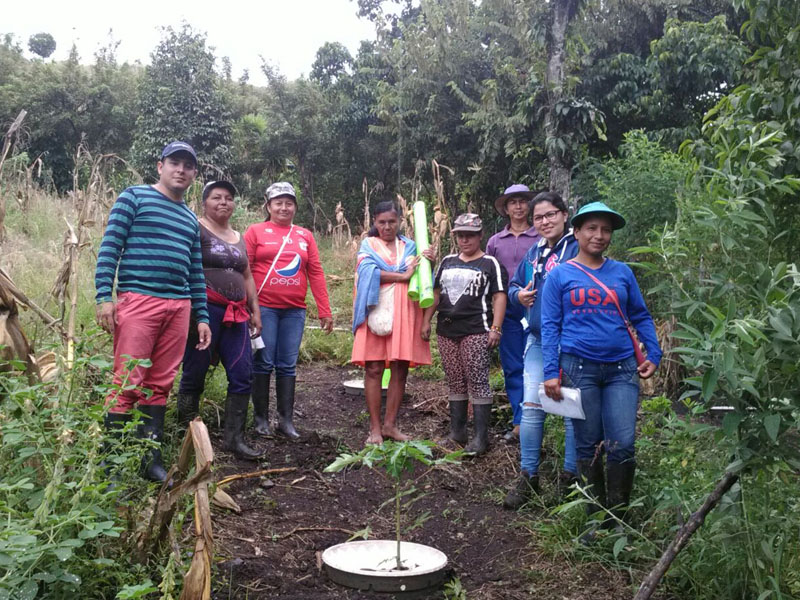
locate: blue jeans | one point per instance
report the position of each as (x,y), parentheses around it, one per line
(610,396)
(512,349)
(281,332)
(531,431)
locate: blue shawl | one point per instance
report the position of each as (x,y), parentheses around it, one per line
(368,277)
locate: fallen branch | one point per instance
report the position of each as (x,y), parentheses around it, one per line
(238,476)
(682,538)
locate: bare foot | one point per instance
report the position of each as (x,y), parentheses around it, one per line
(374,439)
(394,433)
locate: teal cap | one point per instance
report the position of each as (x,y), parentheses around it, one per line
(598,208)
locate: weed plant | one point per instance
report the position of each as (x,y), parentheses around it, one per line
(64,528)
(747,546)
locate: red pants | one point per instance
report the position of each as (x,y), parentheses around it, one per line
(147,328)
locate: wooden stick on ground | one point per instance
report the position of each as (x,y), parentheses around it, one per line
(238,476)
(682,538)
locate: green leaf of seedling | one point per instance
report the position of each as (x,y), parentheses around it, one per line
(710,383)
(129,592)
(619,545)
(28,591)
(772,423)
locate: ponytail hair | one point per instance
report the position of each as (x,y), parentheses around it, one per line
(380,208)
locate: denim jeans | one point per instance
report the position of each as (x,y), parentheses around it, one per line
(531,431)
(512,349)
(281,332)
(610,396)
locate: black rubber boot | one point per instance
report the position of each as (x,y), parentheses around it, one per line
(260,394)
(114,424)
(284,392)
(619,479)
(565,481)
(591,475)
(523,491)
(480,441)
(188,408)
(458,421)
(235,419)
(152,428)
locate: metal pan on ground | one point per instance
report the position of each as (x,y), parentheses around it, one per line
(355,387)
(371,565)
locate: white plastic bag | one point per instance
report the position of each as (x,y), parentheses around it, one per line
(570,405)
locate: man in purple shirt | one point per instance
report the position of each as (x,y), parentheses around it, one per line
(509,246)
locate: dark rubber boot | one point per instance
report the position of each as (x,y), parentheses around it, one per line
(152,428)
(235,418)
(619,479)
(188,408)
(591,475)
(565,481)
(523,491)
(260,395)
(284,392)
(458,421)
(480,441)
(114,424)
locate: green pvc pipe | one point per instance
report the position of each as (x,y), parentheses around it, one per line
(413,286)
(424,269)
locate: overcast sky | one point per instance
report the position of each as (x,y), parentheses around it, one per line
(285,32)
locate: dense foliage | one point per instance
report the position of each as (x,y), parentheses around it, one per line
(461,82)
(684,115)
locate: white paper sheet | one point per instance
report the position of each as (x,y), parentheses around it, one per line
(570,406)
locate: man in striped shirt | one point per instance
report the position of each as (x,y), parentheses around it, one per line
(152,247)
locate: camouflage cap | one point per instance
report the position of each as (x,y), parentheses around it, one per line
(281,188)
(468,222)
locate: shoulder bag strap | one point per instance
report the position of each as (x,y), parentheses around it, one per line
(638,351)
(275,260)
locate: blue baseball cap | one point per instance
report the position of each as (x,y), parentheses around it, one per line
(597,209)
(174,147)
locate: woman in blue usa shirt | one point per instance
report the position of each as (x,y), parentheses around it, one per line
(585,341)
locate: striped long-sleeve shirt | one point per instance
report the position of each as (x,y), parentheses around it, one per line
(152,246)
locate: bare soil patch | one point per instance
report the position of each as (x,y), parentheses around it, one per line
(272,548)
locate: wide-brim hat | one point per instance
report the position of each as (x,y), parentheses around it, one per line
(468,222)
(211,185)
(518,189)
(598,209)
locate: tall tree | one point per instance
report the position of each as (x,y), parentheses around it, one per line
(180,97)
(561,14)
(42,44)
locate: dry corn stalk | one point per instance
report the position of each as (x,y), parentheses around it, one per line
(197,582)
(14,344)
(11,134)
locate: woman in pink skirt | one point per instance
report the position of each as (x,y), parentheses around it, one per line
(386,322)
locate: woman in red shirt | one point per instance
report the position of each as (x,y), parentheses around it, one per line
(284,260)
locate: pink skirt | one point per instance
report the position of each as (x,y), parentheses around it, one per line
(404,343)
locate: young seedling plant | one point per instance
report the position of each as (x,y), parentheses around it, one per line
(395,458)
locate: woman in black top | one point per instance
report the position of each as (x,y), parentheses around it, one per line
(470,295)
(233,312)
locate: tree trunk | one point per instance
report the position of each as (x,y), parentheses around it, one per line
(562,13)
(682,538)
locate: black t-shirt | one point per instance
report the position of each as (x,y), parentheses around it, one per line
(466,290)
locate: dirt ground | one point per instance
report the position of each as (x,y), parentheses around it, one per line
(272,548)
